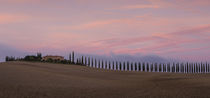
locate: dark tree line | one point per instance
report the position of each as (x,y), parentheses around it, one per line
(123,66)
(146,66)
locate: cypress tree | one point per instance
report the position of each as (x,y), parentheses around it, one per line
(177,67)
(135,66)
(70,58)
(7,58)
(124,66)
(73,57)
(117,67)
(92,62)
(82,61)
(121,66)
(131,66)
(102,64)
(113,66)
(106,66)
(95,63)
(155,67)
(159,67)
(152,67)
(201,67)
(187,67)
(192,65)
(85,61)
(143,66)
(174,67)
(140,67)
(77,61)
(88,61)
(206,67)
(109,65)
(128,66)
(191,69)
(196,67)
(182,67)
(99,64)
(163,67)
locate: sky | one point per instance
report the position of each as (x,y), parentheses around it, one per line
(166,28)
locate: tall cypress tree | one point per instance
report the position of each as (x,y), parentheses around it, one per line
(116,65)
(82,61)
(85,61)
(143,65)
(113,66)
(109,64)
(196,67)
(92,62)
(99,64)
(106,66)
(187,67)
(102,64)
(173,68)
(70,58)
(178,67)
(88,61)
(95,63)
(131,66)
(152,68)
(206,67)
(124,66)
(7,58)
(77,61)
(128,64)
(135,66)
(73,57)
(120,66)
(140,67)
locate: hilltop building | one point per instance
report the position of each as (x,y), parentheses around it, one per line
(59,58)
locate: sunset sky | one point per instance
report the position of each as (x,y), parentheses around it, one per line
(167,28)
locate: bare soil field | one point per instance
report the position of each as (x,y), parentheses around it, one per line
(45,80)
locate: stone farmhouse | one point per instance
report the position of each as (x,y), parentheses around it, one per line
(59,58)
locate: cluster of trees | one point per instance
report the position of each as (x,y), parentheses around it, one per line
(10,58)
(37,57)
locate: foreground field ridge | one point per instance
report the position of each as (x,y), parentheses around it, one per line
(48,80)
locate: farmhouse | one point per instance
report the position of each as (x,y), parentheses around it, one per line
(59,58)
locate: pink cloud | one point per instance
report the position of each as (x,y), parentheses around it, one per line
(12,18)
(160,41)
(140,6)
(23,1)
(98,24)
(183,5)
